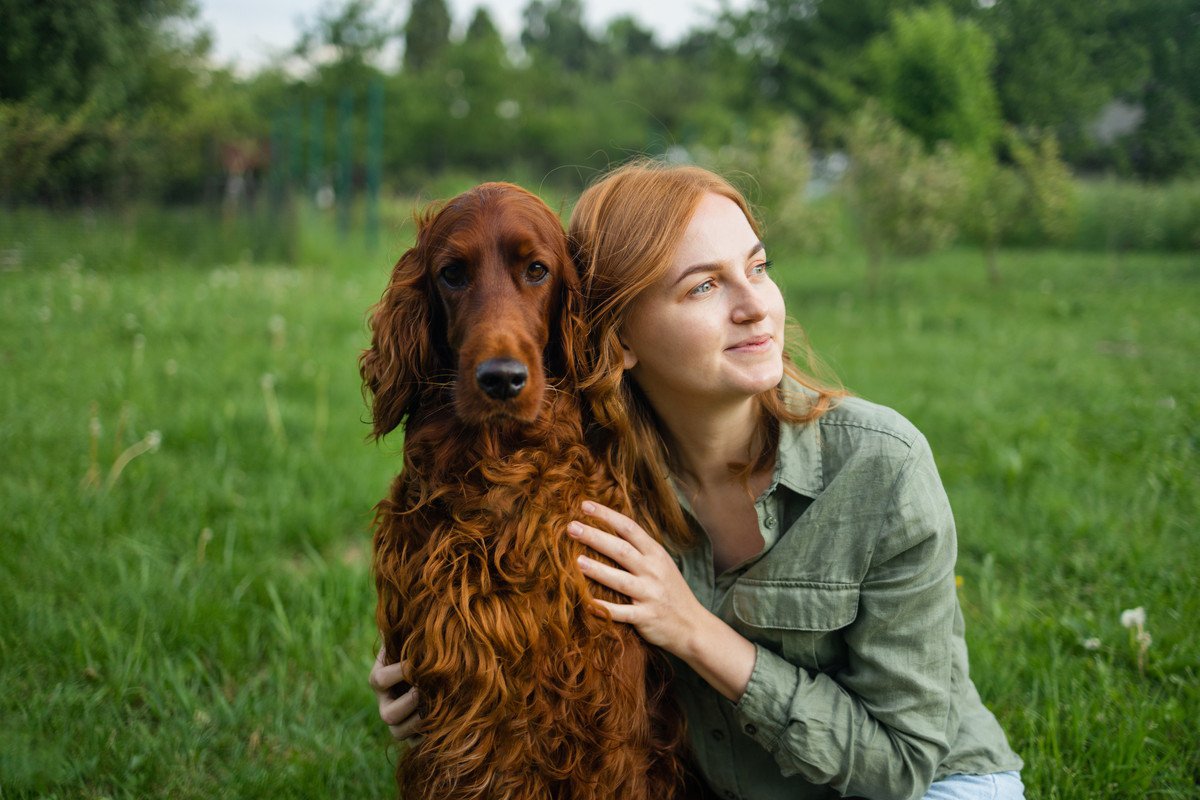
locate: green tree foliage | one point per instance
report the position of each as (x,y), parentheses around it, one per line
(772,165)
(1028,199)
(426,34)
(86,91)
(932,73)
(555,30)
(906,200)
(1059,62)
(808,55)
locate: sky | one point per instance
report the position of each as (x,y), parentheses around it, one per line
(247,32)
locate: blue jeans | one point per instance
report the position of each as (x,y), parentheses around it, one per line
(996,786)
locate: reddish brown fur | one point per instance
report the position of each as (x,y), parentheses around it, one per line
(524,692)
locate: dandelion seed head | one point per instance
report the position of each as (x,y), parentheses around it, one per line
(1133,617)
(1144,639)
(1091,644)
(153,440)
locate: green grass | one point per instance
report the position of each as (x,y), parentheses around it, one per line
(203,626)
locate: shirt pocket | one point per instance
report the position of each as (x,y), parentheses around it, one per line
(801,620)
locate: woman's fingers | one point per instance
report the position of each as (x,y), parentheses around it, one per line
(616,579)
(394,712)
(385,677)
(606,544)
(623,526)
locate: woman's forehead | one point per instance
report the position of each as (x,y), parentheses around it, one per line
(718,231)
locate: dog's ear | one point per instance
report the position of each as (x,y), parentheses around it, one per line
(570,334)
(402,357)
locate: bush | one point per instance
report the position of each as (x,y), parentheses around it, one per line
(1125,215)
(772,166)
(906,201)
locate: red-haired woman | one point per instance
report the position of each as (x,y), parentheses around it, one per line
(808,595)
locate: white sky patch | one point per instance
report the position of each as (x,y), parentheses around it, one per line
(247,34)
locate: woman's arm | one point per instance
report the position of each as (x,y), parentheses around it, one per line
(662,607)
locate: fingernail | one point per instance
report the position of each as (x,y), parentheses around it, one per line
(588,507)
(574,529)
(583,561)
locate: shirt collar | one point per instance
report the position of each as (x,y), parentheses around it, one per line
(799,466)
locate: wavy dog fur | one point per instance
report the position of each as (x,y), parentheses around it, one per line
(525,691)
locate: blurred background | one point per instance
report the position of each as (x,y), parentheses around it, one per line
(984,213)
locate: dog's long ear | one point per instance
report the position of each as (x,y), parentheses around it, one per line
(570,335)
(402,356)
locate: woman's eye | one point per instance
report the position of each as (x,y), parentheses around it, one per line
(454,276)
(705,287)
(536,272)
(761,269)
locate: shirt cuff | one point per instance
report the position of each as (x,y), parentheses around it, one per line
(764,708)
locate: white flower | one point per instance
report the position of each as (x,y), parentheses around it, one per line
(153,440)
(1091,644)
(1133,617)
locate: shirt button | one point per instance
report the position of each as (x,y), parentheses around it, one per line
(718,734)
(769,521)
(750,729)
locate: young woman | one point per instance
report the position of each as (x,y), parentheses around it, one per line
(810,602)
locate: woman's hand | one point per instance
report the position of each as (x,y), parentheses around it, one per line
(662,608)
(399,712)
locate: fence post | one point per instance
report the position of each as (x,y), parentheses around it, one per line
(345,165)
(374,159)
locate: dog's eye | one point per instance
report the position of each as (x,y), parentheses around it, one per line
(536,272)
(454,276)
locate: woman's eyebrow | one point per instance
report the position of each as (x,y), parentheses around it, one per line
(715,264)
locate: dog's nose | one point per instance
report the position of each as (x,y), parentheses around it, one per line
(501,378)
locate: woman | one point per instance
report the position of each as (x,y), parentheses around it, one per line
(810,605)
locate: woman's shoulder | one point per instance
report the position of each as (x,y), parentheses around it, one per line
(857,420)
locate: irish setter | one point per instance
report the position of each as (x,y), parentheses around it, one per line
(524,691)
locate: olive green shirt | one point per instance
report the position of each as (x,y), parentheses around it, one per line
(860,685)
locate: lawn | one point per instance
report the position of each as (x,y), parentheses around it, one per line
(194,619)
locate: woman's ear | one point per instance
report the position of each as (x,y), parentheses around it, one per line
(402,357)
(629,358)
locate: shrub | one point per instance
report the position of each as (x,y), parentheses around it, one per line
(906,201)
(772,166)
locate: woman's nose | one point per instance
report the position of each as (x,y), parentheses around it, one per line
(750,305)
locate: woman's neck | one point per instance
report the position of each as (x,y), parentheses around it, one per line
(704,440)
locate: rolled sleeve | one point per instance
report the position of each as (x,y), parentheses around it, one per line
(876,727)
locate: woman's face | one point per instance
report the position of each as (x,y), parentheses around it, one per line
(712,327)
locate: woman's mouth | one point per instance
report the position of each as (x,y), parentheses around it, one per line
(755,344)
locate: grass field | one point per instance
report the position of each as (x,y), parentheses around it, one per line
(195,619)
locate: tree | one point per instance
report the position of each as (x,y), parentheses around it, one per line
(1058,62)
(931,72)
(906,200)
(555,29)
(808,55)
(426,34)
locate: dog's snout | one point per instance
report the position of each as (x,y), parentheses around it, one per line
(502,378)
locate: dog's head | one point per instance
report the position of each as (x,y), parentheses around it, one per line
(486,301)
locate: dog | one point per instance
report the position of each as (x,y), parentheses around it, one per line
(526,691)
